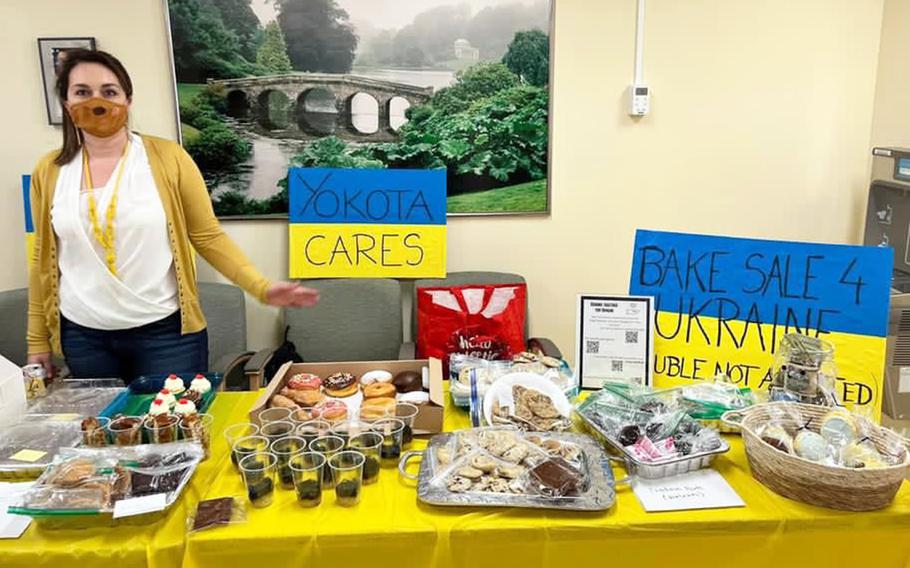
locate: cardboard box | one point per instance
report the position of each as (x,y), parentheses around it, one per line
(428,421)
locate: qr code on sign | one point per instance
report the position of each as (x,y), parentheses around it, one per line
(616,366)
(631,337)
(592,346)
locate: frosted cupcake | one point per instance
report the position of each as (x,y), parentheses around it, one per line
(158,408)
(166,397)
(200,384)
(185,407)
(174,384)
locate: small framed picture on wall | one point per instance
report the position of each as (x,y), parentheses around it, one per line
(52,52)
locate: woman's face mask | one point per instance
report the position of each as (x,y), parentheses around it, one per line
(99,117)
(96,101)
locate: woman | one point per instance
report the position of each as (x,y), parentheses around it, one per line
(117,215)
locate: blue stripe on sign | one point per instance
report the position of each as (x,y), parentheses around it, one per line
(835,288)
(27,201)
(367,196)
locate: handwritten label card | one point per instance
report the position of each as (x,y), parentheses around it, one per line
(140,505)
(703,489)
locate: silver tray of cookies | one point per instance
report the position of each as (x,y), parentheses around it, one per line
(503,467)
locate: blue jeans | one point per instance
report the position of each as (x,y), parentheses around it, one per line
(153,349)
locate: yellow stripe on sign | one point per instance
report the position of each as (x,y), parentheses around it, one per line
(366,251)
(701,347)
(29,249)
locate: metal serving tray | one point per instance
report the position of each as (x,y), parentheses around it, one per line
(599,496)
(652,470)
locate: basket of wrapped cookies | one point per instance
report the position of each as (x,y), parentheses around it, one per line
(368,391)
(822,456)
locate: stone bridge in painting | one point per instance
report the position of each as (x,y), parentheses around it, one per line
(312,105)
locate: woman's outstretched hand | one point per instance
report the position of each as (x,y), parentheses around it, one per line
(290,295)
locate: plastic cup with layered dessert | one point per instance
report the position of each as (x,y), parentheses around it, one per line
(125,431)
(276,430)
(406,412)
(250,445)
(312,429)
(347,469)
(94,431)
(370,445)
(349,428)
(162,429)
(277,414)
(258,472)
(236,431)
(285,449)
(198,428)
(328,446)
(307,470)
(392,432)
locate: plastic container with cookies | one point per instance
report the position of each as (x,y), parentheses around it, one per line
(81,488)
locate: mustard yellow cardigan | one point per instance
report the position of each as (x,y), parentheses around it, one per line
(190,223)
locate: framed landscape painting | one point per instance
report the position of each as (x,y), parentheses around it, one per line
(460,85)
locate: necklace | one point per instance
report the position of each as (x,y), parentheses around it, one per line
(105,236)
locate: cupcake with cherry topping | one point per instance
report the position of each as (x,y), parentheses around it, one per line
(174,384)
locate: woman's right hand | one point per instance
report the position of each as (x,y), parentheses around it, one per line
(45,360)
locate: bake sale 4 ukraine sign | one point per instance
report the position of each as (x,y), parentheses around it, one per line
(723,304)
(367,223)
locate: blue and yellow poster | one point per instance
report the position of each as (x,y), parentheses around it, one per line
(367,223)
(723,304)
(29,225)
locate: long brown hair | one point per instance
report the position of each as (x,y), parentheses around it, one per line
(72,139)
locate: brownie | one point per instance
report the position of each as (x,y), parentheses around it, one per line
(213,512)
(557,477)
(146,484)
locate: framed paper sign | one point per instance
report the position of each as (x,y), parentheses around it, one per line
(52,52)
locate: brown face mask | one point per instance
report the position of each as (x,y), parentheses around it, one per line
(99,117)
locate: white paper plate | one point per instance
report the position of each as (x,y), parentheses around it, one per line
(501,390)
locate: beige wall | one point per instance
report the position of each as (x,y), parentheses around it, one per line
(760,127)
(891,125)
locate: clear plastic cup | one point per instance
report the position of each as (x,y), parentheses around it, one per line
(347,470)
(126,431)
(307,468)
(349,428)
(198,428)
(162,429)
(276,414)
(328,446)
(406,412)
(277,430)
(258,472)
(312,429)
(96,437)
(251,445)
(392,430)
(285,449)
(369,444)
(236,431)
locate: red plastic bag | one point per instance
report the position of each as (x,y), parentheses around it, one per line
(481,321)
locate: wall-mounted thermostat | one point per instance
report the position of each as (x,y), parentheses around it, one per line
(639,100)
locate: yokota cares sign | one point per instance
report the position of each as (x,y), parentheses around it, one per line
(349,223)
(723,304)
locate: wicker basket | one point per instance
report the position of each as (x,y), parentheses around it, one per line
(811,482)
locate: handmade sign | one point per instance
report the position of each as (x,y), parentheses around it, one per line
(723,304)
(359,223)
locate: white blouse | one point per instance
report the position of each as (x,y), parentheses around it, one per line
(145,288)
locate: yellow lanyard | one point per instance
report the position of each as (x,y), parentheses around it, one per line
(104,237)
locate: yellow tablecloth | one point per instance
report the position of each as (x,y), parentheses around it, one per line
(390,529)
